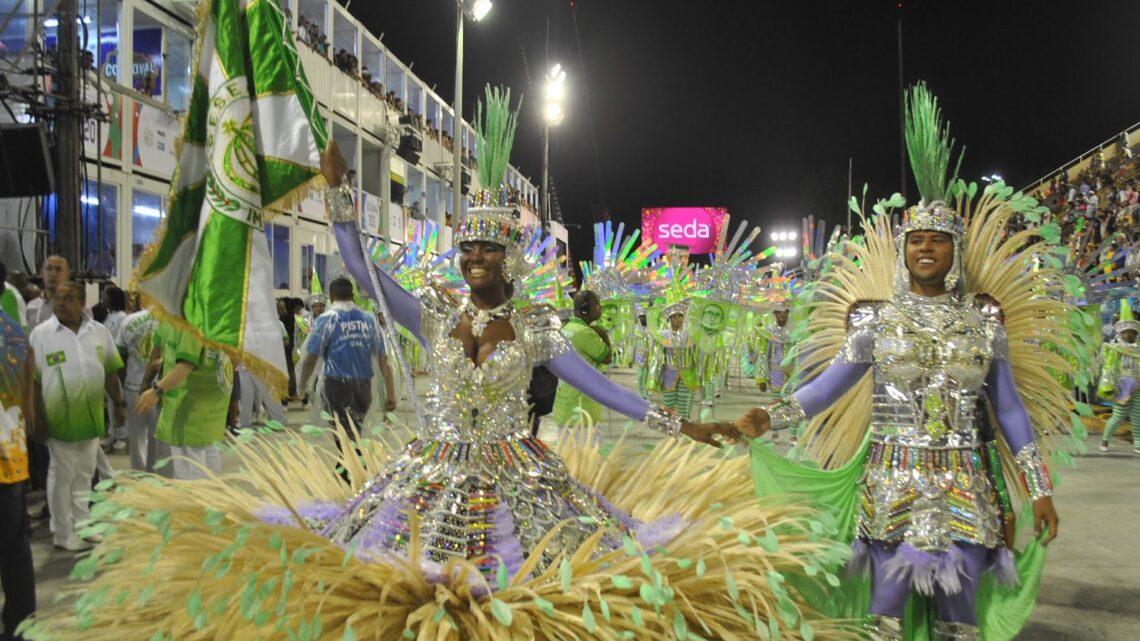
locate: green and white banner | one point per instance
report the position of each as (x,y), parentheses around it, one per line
(250,149)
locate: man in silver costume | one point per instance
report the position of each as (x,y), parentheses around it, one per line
(929,516)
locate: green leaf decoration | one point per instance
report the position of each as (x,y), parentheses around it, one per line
(311,430)
(439,614)
(733,590)
(635,616)
(769,542)
(544,605)
(502,612)
(501,575)
(629,545)
(726,522)
(648,593)
(604,606)
(214,517)
(832,580)
(276,426)
(621,582)
(853,205)
(700,568)
(408,634)
(194,604)
(1084,410)
(684,563)
(588,619)
(680,628)
(565,575)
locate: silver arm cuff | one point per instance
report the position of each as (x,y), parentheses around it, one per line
(1034,472)
(338,201)
(785,413)
(659,419)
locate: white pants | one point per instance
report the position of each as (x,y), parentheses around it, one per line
(253,391)
(186,458)
(144,448)
(114,430)
(69,485)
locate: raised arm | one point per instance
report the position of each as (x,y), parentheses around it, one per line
(404,306)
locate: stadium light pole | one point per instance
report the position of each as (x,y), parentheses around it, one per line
(553,90)
(476,10)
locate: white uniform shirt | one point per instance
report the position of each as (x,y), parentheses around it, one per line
(71,368)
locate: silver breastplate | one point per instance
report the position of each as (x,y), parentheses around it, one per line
(930,364)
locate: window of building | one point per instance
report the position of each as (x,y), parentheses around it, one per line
(147,212)
(278,238)
(98,213)
(98,33)
(179,51)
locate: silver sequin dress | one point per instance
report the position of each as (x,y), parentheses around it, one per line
(480,484)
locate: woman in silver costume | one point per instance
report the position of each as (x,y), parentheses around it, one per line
(481,484)
(929,518)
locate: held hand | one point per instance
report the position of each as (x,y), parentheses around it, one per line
(1045,518)
(708,433)
(762,386)
(754,423)
(1009,530)
(390,404)
(146,402)
(333,165)
(120,415)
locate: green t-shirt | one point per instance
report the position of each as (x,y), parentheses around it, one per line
(194,413)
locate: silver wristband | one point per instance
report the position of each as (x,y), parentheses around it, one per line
(785,413)
(657,418)
(1034,472)
(338,201)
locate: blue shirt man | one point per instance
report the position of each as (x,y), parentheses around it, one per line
(348,339)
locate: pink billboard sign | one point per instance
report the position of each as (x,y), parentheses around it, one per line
(697,227)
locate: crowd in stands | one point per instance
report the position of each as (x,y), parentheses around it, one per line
(309,33)
(1098,211)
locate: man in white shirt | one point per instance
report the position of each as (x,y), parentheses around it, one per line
(76,362)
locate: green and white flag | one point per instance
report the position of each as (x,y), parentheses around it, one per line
(250,149)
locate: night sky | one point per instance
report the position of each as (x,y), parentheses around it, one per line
(757,106)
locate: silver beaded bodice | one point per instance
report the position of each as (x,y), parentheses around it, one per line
(473,404)
(930,356)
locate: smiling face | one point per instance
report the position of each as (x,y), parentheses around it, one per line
(677,321)
(481,264)
(929,256)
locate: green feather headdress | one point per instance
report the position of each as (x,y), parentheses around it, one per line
(495,125)
(929,145)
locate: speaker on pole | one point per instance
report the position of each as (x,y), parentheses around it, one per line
(25,162)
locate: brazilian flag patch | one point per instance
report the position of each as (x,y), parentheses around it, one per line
(56,358)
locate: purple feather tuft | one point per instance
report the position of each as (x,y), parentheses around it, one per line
(859,565)
(923,570)
(1005,568)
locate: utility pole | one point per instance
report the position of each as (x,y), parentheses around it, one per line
(902,107)
(68,138)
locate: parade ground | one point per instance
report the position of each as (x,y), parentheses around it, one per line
(1091,585)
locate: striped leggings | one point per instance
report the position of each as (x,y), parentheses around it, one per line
(643,381)
(679,399)
(1120,411)
(711,388)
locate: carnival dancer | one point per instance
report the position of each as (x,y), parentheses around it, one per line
(642,342)
(593,345)
(932,513)
(672,363)
(1118,375)
(473,529)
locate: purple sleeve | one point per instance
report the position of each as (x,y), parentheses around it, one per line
(403,305)
(1012,418)
(826,388)
(570,367)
